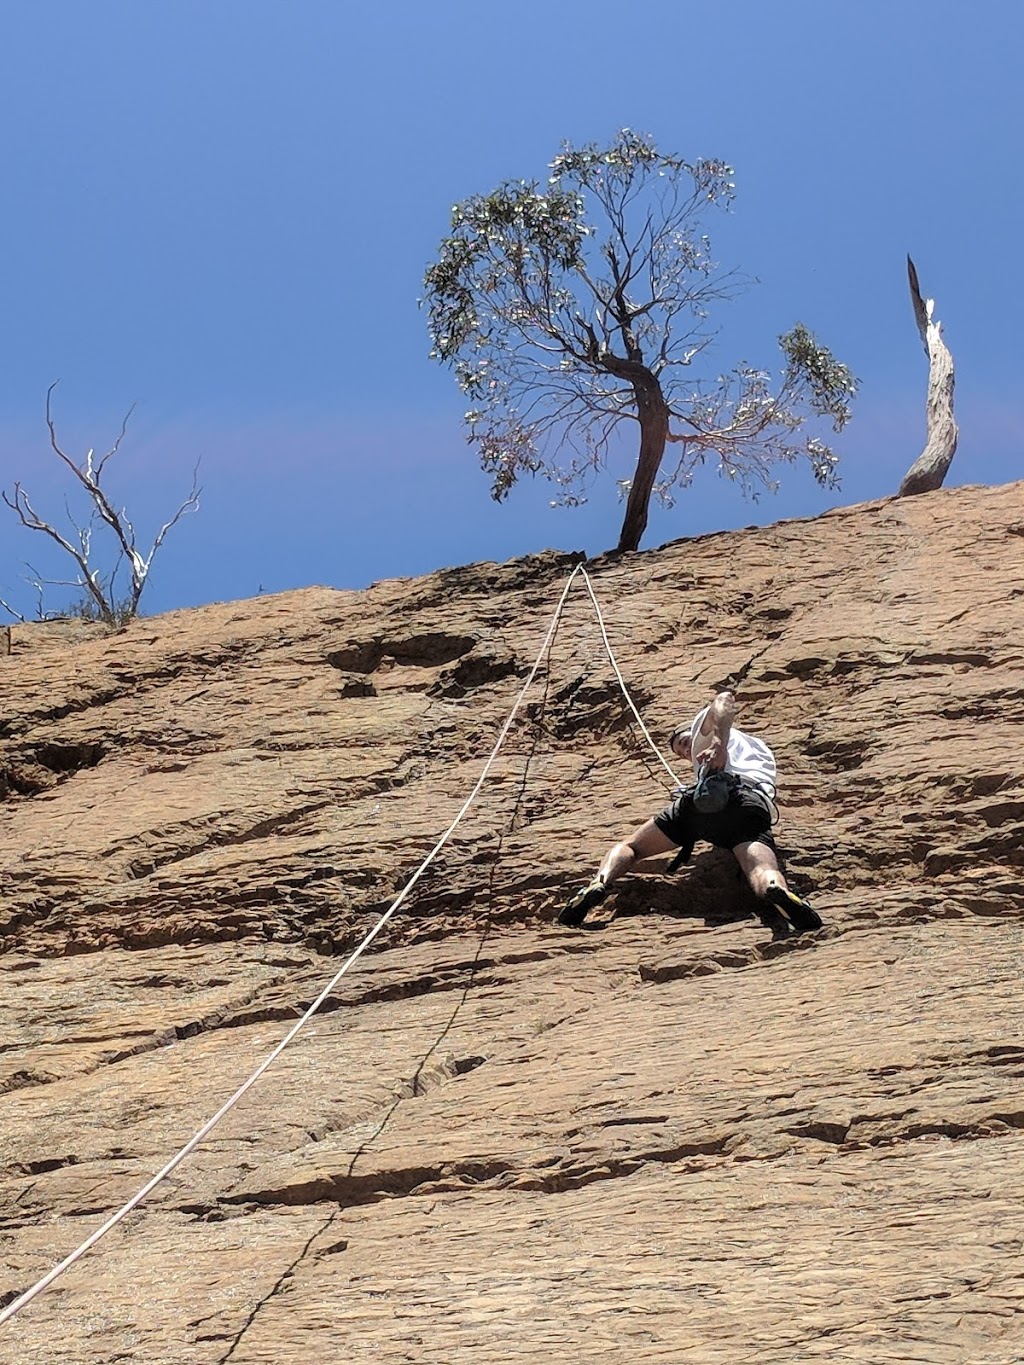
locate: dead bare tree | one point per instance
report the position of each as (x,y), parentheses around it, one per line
(12,611)
(78,543)
(931,466)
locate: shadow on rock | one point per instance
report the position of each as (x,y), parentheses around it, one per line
(710,888)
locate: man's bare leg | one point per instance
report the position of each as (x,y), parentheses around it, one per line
(646,842)
(761,869)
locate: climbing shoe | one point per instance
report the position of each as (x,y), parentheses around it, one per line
(801,915)
(573,914)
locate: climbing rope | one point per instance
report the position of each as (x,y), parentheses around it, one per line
(29,1294)
(622,682)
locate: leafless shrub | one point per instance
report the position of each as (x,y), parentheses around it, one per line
(101,597)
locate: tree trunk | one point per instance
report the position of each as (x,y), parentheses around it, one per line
(929,469)
(652,414)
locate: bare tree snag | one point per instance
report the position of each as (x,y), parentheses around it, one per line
(930,468)
(100,592)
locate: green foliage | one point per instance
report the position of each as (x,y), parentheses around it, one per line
(567,308)
(830,385)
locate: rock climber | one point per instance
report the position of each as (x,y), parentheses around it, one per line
(730,806)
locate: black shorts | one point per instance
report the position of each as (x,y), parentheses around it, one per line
(747,819)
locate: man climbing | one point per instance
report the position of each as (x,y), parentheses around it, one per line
(730,807)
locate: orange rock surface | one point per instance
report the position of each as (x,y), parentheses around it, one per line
(668,1137)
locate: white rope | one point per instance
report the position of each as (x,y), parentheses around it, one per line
(622,683)
(774,812)
(19,1303)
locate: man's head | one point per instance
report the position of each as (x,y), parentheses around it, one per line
(679,742)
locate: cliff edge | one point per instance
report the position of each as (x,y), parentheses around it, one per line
(668,1138)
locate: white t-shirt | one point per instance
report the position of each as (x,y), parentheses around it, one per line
(747,756)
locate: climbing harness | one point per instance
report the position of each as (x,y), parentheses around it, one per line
(17,1304)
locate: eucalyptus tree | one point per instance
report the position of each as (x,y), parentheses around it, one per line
(572,308)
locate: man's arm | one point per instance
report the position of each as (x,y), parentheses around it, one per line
(717,724)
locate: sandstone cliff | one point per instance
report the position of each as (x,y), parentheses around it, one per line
(669,1138)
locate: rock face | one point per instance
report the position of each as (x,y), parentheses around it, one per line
(670,1138)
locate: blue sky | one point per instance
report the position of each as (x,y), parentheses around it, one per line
(221,210)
